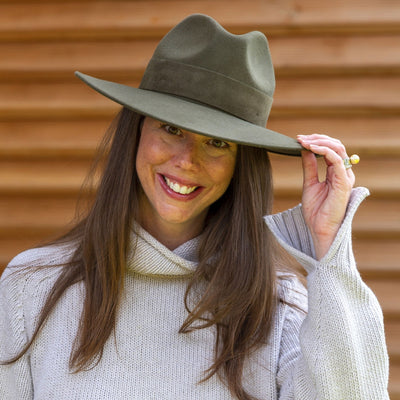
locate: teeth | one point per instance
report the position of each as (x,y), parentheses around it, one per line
(178,188)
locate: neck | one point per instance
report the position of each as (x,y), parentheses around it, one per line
(169,234)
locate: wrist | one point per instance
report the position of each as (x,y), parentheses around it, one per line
(322,243)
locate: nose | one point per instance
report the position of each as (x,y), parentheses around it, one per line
(188,155)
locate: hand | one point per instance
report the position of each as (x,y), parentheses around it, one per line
(324,203)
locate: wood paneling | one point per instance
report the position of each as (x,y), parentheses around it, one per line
(119,19)
(338,72)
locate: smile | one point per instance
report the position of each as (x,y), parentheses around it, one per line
(177,188)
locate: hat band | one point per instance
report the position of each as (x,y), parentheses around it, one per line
(207,87)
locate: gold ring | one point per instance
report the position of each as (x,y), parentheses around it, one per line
(350,161)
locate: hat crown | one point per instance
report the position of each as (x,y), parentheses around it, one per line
(201,61)
(201,41)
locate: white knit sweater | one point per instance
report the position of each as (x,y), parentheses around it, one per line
(336,352)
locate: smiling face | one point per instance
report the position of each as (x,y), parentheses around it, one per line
(182,174)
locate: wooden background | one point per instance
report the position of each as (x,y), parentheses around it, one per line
(338,72)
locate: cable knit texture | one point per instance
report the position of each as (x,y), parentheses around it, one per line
(334,352)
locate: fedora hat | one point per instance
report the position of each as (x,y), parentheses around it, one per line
(203,79)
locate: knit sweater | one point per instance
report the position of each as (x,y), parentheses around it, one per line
(336,351)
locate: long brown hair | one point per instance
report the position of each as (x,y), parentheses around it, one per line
(240,295)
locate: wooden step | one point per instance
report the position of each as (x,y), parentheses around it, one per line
(292,56)
(79,137)
(364,96)
(87,19)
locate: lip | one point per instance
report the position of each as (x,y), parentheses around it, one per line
(178,196)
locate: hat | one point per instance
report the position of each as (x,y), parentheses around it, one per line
(203,79)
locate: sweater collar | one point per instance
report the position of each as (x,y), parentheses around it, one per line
(147,256)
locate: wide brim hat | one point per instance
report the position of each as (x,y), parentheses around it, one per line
(206,80)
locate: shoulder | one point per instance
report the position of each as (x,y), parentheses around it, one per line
(26,283)
(30,270)
(43,256)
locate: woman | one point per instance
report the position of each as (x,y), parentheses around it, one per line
(170,287)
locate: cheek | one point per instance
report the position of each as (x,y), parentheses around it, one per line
(222,172)
(149,154)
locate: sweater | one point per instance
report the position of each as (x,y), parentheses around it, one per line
(335,351)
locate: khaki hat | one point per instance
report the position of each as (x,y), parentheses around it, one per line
(206,80)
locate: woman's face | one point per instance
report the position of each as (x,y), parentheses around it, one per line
(182,174)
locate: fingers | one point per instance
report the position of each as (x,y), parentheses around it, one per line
(333,151)
(310,167)
(323,141)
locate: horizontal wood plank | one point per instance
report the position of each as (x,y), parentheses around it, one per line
(377,257)
(47,176)
(371,94)
(45,212)
(86,19)
(58,60)
(367,135)
(388,293)
(376,218)
(292,56)
(51,139)
(394,381)
(378,174)
(392,330)
(337,96)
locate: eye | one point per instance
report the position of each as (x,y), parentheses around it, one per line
(219,144)
(173,130)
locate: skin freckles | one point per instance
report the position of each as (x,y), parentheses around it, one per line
(181,174)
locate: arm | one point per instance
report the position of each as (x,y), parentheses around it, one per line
(19,311)
(15,379)
(340,347)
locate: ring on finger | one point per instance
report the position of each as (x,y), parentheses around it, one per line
(350,161)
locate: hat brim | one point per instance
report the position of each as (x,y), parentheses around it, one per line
(194,117)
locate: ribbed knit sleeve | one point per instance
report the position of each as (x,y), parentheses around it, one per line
(19,287)
(15,381)
(339,351)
